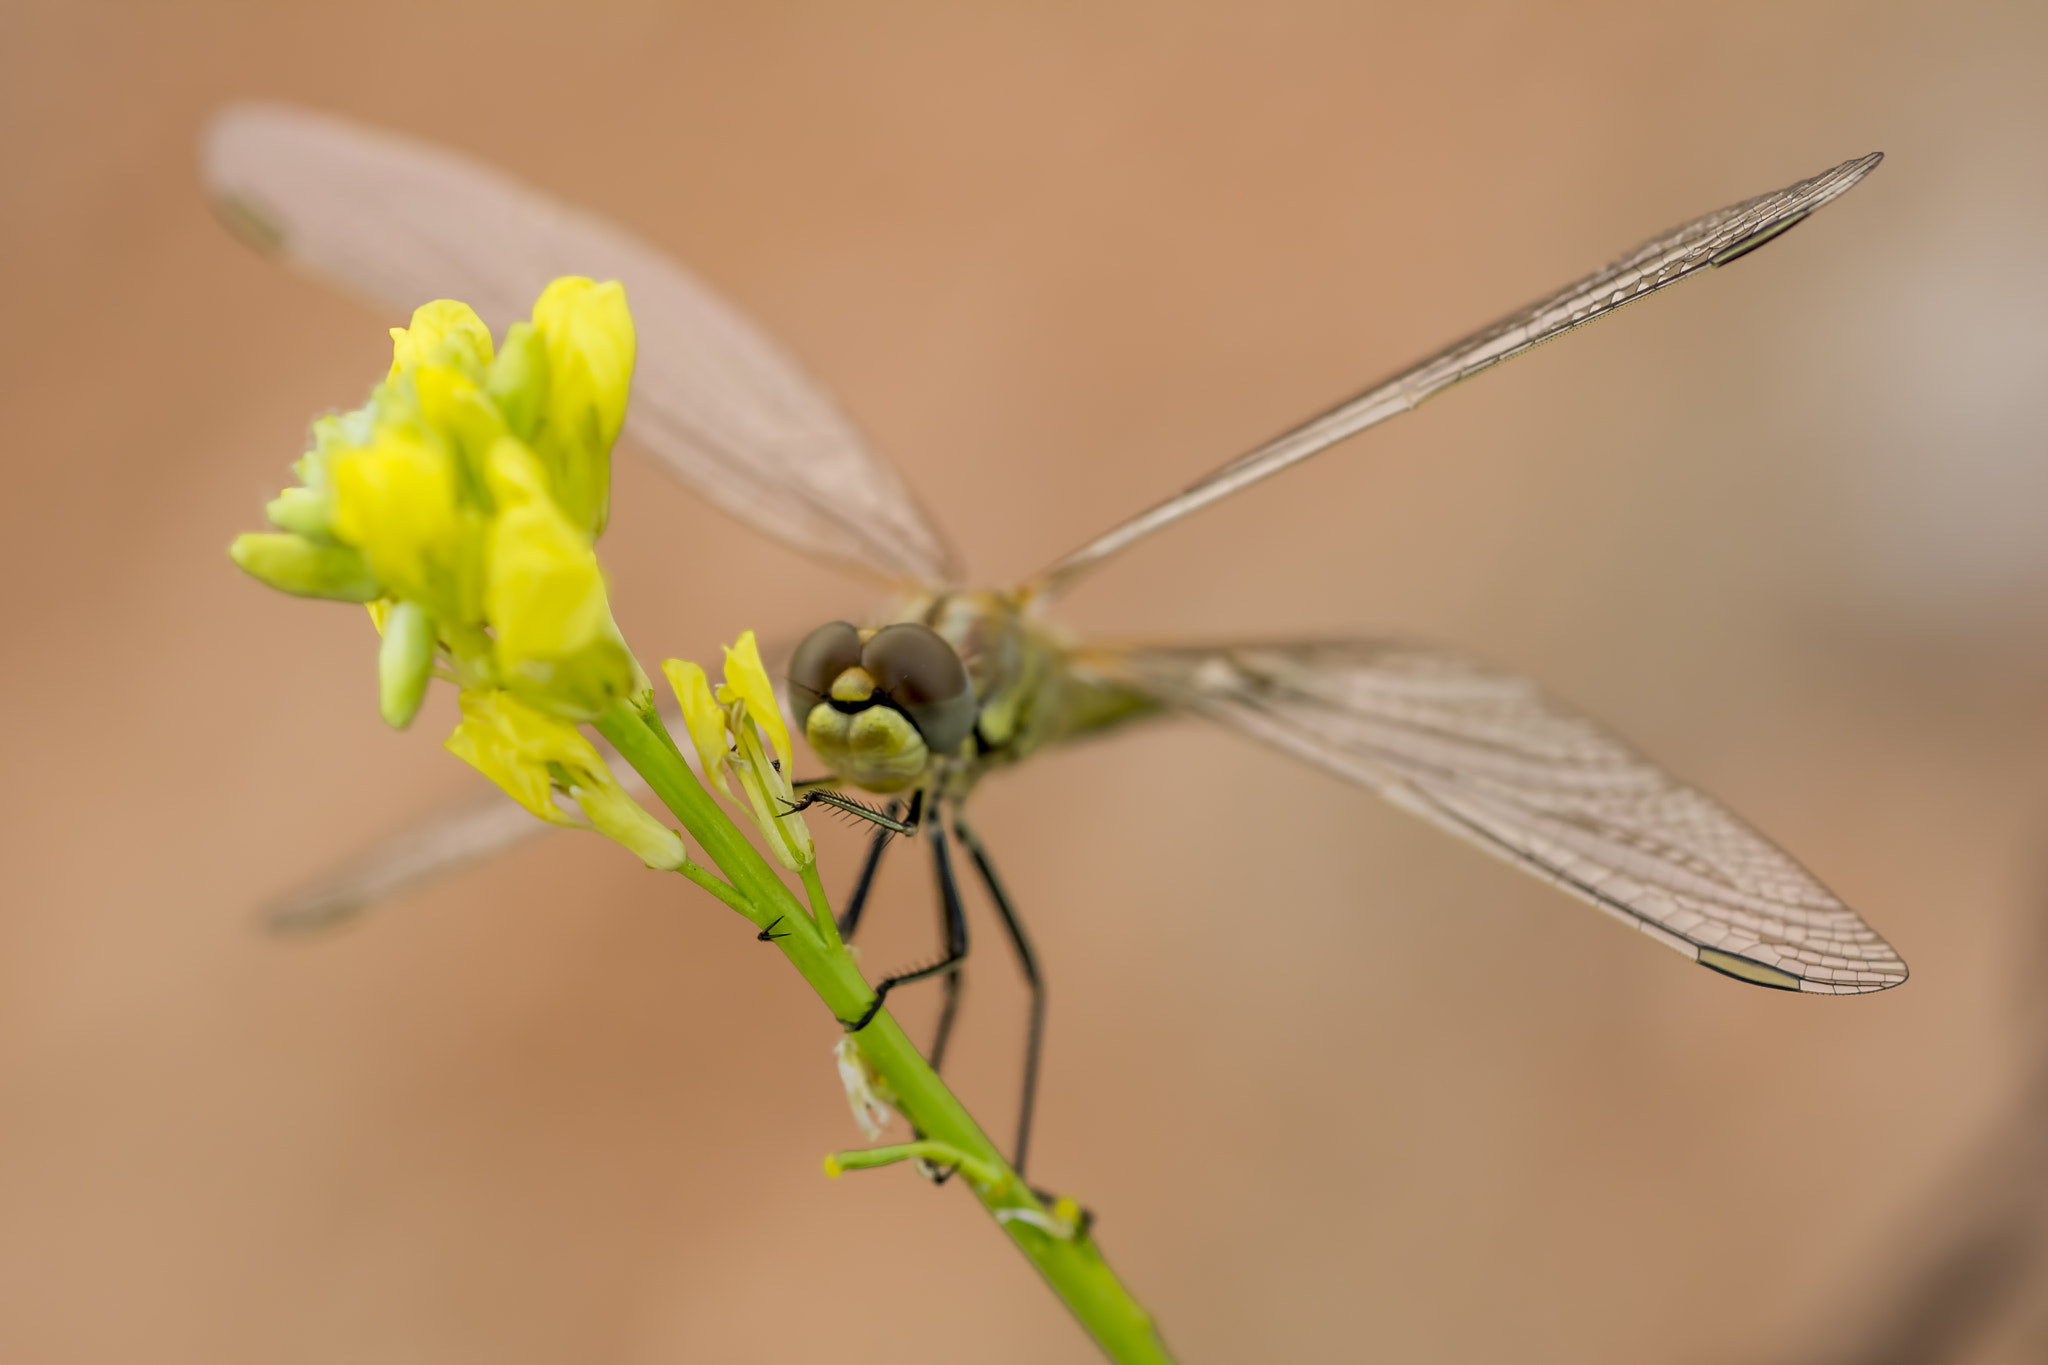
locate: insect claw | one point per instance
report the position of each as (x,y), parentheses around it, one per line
(874,1008)
(768,934)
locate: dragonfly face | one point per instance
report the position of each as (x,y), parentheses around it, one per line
(882,708)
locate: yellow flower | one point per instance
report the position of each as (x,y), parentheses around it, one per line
(703,717)
(726,731)
(746,679)
(465,495)
(532,755)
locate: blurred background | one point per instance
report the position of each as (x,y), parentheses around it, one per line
(1338,1087)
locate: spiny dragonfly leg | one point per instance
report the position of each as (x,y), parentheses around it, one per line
(825,796)
(849,918)
(1027,961)
(955,921)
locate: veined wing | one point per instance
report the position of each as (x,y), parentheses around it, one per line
(1488,758)
(1679,254)
(714,399)
(461,834)
(464,833)
(446,841)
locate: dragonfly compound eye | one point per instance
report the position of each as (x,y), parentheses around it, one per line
(825,653)
(922,676)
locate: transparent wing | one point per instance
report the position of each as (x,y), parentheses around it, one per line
(466,832)
(1490,759)
(714,399)
(1679,254)
(447,841)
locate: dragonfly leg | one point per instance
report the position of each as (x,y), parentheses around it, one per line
(859,810)
(1027,961)
(955,921)
(953,925)
(849,918)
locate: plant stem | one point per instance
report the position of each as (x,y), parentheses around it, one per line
(821,908)
(1073,1267)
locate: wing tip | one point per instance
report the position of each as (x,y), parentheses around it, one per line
(231,133)
(306,914)
(1873,978)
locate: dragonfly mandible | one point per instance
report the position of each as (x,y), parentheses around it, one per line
(947,683)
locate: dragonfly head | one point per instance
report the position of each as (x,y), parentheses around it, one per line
(878,705)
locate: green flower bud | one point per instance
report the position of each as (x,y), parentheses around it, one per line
(518,380)
(296,565)
(405,663)
(303,512)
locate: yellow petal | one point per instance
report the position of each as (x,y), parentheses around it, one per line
(397,500)
(460,412)
(514,474)
(556,642)
(747,678)
(506,741)
(530,753)
(702,716)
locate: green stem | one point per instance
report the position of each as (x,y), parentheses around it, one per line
(711,882)
(1073,1267)
(821,908)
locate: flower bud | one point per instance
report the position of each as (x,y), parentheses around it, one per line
(303,512)
(405,662)
(296,565)
(443,332)
(518,380)
(588,335)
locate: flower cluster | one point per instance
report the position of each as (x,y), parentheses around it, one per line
(461,504)
(726,728)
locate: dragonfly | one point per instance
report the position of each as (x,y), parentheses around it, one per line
(947,683)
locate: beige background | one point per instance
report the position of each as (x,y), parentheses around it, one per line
(1338,1087)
